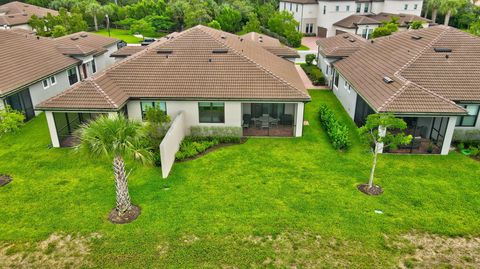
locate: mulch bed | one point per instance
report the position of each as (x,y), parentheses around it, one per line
(242,140)
(374,190)
(4,180)
(127,217)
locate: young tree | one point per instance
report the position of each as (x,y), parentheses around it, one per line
(10,120)
(252,25)
(59,31)
(215,25)
(387,28)
(116,137)
(229,18)
(283,23)
(382,131)
(144,28)
(265,12)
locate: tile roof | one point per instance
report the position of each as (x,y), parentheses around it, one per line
(313,2)
(271,44)
(352,21)
(19,13)
(127,51)
(424,81)
(24,59)
(342,45)
(198,63)
(84,43)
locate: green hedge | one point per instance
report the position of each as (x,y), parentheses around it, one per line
(191,146)
(337,132)
(216,131)
(314,73)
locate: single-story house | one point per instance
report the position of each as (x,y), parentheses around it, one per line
(335,48)
(429,77)
(34,68)
(215,78)
(363,25)
(17,14)
(273,45)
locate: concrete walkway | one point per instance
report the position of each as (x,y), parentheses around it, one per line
(306,81)
(311,42)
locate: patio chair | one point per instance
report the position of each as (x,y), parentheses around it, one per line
(265,124)
(274,123)
(247,118)
(286,119)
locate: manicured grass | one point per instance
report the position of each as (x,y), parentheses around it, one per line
(302,47)
(122,35)
(273,202)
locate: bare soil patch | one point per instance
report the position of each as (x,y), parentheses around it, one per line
(4,180)
(434,251)
(374,190)
(126,217)
(57,251)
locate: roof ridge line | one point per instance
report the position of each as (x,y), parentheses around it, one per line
(257,64)
(394,96)
(103,93)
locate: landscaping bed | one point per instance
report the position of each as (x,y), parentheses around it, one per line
(314,74)
(193,147)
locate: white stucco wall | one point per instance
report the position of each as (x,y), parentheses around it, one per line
(171,143)
(39,94)
(347,98)
(398,6)
(322,64)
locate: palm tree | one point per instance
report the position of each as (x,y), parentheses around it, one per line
(116,137)
(434,5)
(94,8)
(450,8)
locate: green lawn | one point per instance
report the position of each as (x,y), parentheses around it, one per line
(272,203)
(302,47)
(121,34)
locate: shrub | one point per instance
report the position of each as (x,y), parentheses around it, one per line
(309,58)
(336,131)
(314,74)
(10,120)
(216,131)
(191,147)
(475,151)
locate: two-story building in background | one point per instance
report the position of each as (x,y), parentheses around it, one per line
(318,17)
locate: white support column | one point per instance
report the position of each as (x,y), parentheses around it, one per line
(53,129)
(112,115)
(2,105)
(299,119)
(447,141)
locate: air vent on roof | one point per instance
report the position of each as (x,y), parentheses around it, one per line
(345,36)
(220,50)
(442,50)
(74,38)
(387,80)
(416,37)
(11,16)
(352,40)
(164,51)
(223,37)
(84,35)
(24,14)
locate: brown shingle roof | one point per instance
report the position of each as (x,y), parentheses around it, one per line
(19,13)
(127,51)
(204,63)
(271,44)
(342,45)
(24,59)
(312,2)
(352,21)
(424,81)
(84,43)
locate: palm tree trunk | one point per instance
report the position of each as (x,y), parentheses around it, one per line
(372,173)
(123,198)
(434,15)
(95,21)
(447,18)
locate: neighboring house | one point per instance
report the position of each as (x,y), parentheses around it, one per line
(363,25)
(126,51)
(429,77)
(273,45)
(17,14)
(317,17)
(335,48)
(34,68)
(215,78)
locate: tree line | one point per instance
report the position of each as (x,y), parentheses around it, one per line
(154,18)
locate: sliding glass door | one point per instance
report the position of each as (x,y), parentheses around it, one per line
(21,101)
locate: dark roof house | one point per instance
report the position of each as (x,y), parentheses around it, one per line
(18,13)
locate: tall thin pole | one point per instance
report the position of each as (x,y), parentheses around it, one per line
(108,24)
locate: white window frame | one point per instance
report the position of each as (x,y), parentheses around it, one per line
(48,83)
(53,80)
(337,8)
(358,8)
(415,6)
(366,8)
(405,7)
(347,8)
(324,10)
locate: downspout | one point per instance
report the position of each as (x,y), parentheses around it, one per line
(301,23)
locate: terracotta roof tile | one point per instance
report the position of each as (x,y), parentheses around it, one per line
(127,51)
(20,13)
(271,44)
(342,45)
(204,63)
(84,43)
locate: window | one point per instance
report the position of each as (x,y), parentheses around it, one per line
(359,8)
(335,79)
(284,5)
(296,7)
(345,85)
(53,80)
(94,66)
(471,119)
(72,75)
(366,8)
(328,70)
(324,9)
(347,8)
(405,7)
(309,28)
(366,33)
(45,83)
(149,104)
(349,88)
(211,112)
(337,8)
(415,6)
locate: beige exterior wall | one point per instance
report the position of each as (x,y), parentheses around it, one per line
(171,143)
